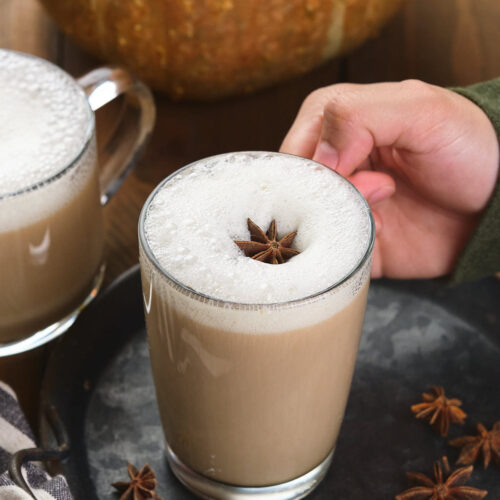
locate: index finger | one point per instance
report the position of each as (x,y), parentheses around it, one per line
(302,138)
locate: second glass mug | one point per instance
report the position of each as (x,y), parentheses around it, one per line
(52,267)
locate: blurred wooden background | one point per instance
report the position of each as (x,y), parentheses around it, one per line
(445,42)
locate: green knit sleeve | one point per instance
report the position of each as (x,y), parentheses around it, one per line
(481,255)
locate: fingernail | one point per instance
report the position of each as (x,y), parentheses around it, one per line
(326,154)
(380,194)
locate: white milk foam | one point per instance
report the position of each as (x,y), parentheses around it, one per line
(194,218)
(44,123)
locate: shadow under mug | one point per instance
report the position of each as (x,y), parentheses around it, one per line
(51,260)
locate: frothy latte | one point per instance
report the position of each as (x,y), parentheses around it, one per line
(51,235)
(252,361)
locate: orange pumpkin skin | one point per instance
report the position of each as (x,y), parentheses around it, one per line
(207,49)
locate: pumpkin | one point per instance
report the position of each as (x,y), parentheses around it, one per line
(207,49)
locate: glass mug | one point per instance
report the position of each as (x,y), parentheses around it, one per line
(51,232)
(250,414)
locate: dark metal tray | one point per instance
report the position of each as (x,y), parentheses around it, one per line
(416,334)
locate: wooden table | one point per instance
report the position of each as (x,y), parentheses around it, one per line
(445,42)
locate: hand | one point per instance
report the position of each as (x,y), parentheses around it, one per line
(424,157)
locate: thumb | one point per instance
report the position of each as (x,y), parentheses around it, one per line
(374,186)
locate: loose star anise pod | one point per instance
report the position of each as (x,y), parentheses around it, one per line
(450,489)
(141,485)
(439,410)
(487,442)
(265,247)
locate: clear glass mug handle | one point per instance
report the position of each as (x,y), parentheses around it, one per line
(118,154)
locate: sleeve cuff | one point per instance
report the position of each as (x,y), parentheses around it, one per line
(481,255)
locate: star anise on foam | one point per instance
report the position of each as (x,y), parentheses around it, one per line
(266,247)
(141,485)
(486,442)
(451,488)
(439,410)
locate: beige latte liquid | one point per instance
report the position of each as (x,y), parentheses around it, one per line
(48,267)
(253,362)
(51,232)
(252,409)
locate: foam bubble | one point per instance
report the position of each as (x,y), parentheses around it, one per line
(194,218)
(45,120)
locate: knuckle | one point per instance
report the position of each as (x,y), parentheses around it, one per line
(341,102)
(335,92)
(334,102)
(316,97)
(418,88)
(430,100)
